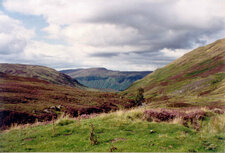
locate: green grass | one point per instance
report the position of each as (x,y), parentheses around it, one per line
(218,78)
(127,132)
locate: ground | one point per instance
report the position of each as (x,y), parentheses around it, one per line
(121,131)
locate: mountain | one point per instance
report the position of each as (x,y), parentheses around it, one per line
(39,72)
(197,78)
(102,78)
(25,100)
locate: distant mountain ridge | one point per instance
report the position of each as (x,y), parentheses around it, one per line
(39,72)
(102,78)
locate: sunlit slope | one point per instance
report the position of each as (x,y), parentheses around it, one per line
(196,77)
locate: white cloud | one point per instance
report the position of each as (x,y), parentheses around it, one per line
(100,34)
(176,53)
(53,31)
(200,13)
(55,11)
(13,35)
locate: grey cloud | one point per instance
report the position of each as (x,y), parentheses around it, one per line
(158,24)
(14,46)
(104,55)
(156,59)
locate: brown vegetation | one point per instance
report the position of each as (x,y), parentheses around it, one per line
(187,117)
(24,100)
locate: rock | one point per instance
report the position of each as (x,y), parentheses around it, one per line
(46,111)
(59,107)
(151,131)
(53,107)
(56,108)
(218,111)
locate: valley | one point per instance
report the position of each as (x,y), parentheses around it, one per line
(177,108)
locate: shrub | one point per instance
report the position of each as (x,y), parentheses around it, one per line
(159,116)
(139,99)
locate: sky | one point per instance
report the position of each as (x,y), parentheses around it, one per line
(124,35)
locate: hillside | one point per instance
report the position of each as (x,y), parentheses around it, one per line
(102,78)
(39,72)
(197,78)
(25,100)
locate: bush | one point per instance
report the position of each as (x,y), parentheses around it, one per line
(159,116)
(139,99)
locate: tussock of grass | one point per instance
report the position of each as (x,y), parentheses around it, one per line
(216,124)
(134,114)
(177,120)
(64,120)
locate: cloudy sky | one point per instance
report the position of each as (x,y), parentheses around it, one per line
(116,34)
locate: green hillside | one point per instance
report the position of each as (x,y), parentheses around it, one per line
(102,78)
(196,78)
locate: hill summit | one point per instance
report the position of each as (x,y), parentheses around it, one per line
(39,72)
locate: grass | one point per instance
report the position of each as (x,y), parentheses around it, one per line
(216,124)
(125,131)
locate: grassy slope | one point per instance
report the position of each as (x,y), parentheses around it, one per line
(196,78)
(124,130)
(40,72)
(33,96)
(102,78)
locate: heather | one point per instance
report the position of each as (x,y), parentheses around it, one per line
(193,117)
